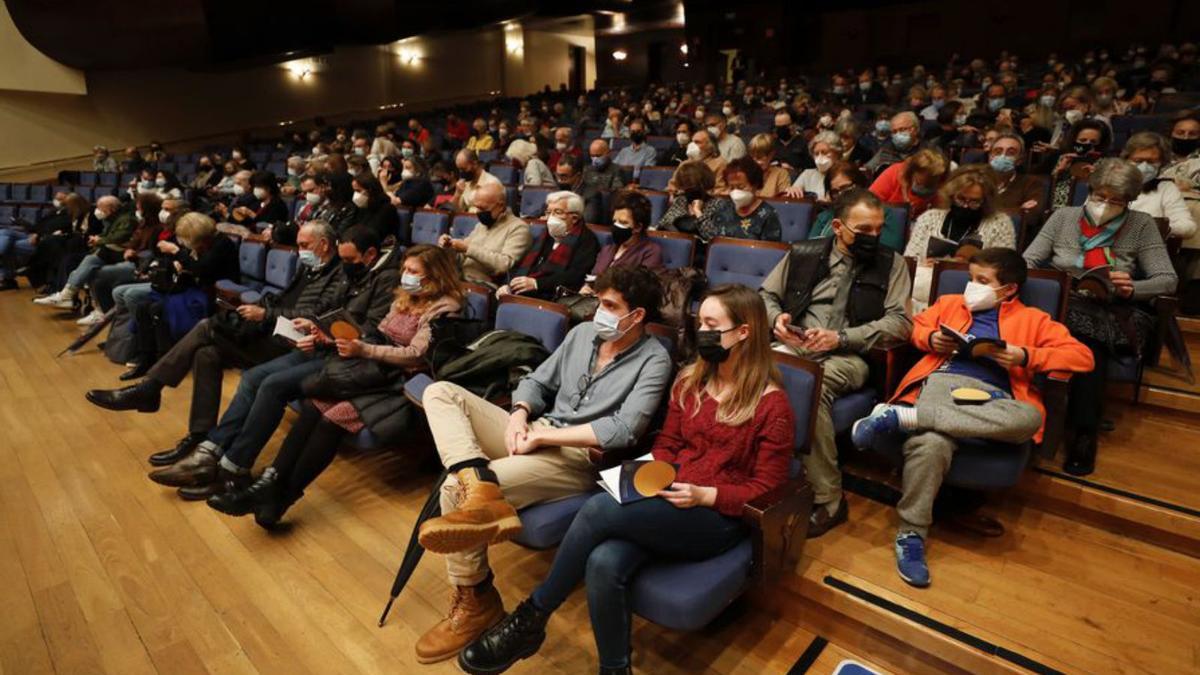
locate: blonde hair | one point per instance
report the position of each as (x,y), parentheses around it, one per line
(751,360)
(930,161)
(761,145)
(195,228)
(964,177)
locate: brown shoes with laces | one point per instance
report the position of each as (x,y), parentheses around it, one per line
(473,610)
(483,517)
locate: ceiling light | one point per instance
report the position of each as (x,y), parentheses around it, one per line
(620,55)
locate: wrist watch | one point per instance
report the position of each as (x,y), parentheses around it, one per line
(843,341)
(519,406)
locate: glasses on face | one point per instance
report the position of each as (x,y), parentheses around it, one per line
(1119,203)
(967,203)
(561,213)
(835,192)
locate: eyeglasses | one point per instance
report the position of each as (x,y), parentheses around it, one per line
(561,213)
(968,203)
(1119,203)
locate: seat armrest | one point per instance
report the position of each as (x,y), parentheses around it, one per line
(1054,397)
(1166,308)
(778,522)
(888,365)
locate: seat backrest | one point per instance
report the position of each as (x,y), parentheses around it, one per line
(655,177)
(486,156)
(533,201)
(88,178)
(19,192)
(660,143)
(802,382)
(603,234)
(742,261)
(1045,289)
(1079,193)
(39,193)
(463,224)
(537,230)
(974,156)
(795,217)
(28,214)
(6,214)
(405,214)
(658,204)
(900,213)
(507,173)
(108,178)
(678,248)
(428,225)
(282,264)
(546,321)
(252,260)
(479,302)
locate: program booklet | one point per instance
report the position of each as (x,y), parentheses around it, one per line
(974,347)
(637,479)
(339,325)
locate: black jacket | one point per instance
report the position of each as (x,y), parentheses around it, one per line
(382,218)
(220,261)
(313,292)
(415,192)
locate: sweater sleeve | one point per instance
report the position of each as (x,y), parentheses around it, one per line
(918,240)
(997,231)
(1158,274)
(772,455)
(413,353)
(1057,349)
(500,261)
(670,438)
(1176,211)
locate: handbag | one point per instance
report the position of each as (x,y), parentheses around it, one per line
(340,379)
(449,337)
(582,307)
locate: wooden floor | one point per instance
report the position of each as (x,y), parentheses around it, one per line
(106,572)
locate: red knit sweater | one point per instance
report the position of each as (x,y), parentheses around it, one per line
(742,462)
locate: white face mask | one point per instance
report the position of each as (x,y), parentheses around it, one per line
(823,162)
(727,111)
(608,325)
(164,215)
(1101,212)
(560,146)
(360,199)
(682,138)
(741,198)
(238,189)
(56,203)
(1073,116)
(557,227)
(406,174)
(316,150)
(293,172)
(312,198)
(980,297)
(161,182)
(714,130)
(693,150)
(260,193)
(100,215)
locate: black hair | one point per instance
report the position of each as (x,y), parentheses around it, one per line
(1009,265)
(576,163)
(375,191)
(341,190)
(747,166)
(1082,125)
(852,198)
(638,285)
(363,238)
(265,179)
(637,204)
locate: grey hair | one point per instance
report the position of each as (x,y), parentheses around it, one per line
(1146,140)
(574,201)
(322,230)
(828,138)
(910,116)
(847,126)
(1119,175)
(1014,137)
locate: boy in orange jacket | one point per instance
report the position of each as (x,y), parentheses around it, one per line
(929,406)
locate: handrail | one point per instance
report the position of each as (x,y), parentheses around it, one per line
(192,143)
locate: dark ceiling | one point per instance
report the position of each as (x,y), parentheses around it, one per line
(224,34)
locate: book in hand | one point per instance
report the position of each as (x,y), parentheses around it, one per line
(287,331)
(974,347)
(1094,282)
(637,479)
(340,325)
(943,248)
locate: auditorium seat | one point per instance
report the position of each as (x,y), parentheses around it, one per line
(507,173)
(742,261)
(655,177)
(252,264)
(428,225)
(603,234)
(659,201)
(678,248)
(533,201)
(88,178)
(795,217)
(463,224)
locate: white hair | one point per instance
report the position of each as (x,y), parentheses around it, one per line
(574,201)
(828,138)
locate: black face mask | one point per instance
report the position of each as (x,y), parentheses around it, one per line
(783,133)
(354,271)
(1084,148)
(638,137)
(620,235)
(708,345)
(566,184)
(694,194)
(962,216)
(865,246)
(486,218)
(1184,146)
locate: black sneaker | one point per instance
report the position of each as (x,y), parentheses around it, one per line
(518,636)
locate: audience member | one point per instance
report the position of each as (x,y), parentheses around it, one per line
(703,150)
(754,218)
(631,245)
(729,147)
(694,208)
(914,181)
(904,142)
(107,248)
(599,179)
(776,179)
(374,207)
(1016,190)
(500,238)
(824,148)
(564,144)
(560,259)
(638,153)
(471,178)
(1160,197)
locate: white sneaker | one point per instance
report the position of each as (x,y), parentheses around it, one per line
(91,319)
(59,299)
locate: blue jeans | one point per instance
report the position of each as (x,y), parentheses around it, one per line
(108,279)
(608,542)
(257,407)
(129,296)
(84,272)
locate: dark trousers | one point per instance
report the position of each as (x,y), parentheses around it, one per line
(308,450)
(1085,404)
(607,544)
(204,354)
(257,407)
(108,278)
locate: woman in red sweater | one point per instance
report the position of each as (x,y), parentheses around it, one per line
(729,431)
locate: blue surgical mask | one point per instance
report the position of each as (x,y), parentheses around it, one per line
(411,283)
(883,127)
(310,259)
(1003,163)
(608,325)
(902,140)
(995,104)
(599,162)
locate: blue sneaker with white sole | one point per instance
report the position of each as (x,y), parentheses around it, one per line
(882,420)
(910,559)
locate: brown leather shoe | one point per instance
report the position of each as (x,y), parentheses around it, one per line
(225,481)
(473,610)
(483,517)
(821,521)
(198,468)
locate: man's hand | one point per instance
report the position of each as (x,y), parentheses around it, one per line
(696,208)
(168,248)
(129,254)
(686,495)
(459,245)
(1064,162)
(1011,357)
(794,192)
(529,442)
(1029,205)
(93,240)
(444,240)
(307,344)
(251,312)
(942,344)
(221,209)
(522,285)
(1122,283)
(784,334)
(349,349)
(304,325)
(820,339)
(517,430)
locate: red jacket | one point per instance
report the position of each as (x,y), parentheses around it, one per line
(890,188)
(1049,344)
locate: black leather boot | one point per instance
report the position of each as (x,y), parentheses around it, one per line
(616,671)
(248,499)
(181,450)
(518,636)
(145,396)
(1081,459)
(224,482)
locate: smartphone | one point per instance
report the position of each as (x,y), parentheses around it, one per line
(797,330)
(222,303)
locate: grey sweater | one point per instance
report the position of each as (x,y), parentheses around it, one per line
(1139,250)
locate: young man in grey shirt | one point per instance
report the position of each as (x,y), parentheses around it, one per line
(599,388)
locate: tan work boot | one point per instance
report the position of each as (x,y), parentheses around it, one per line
(473,610)
(482,517)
